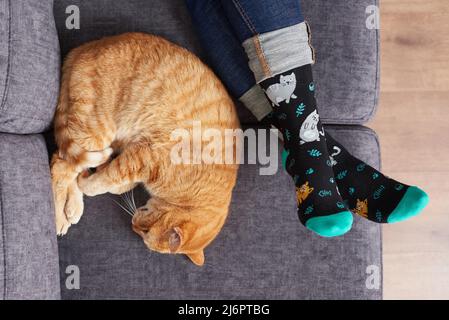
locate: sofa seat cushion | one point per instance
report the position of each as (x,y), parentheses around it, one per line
(347,51)
(263,252)
(28,249)
(29,65)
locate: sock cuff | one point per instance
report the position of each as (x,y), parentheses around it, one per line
(278,51)
(254,99)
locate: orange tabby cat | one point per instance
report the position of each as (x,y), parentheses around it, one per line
(125,95)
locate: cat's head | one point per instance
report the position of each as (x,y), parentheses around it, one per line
(315,117)
(288,79)
(362,206)
(305,188)
(166,228)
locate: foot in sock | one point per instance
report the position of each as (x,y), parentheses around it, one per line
(368,192)
(320,206)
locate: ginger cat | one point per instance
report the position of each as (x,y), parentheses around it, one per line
(303,192)
(124,95)
(362,208)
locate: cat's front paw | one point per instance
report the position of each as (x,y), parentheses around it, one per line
(62,224)
(74,206)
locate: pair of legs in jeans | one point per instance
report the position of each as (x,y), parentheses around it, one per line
(261,51)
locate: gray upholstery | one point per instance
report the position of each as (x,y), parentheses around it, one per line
(28,248)
(347,54)
(262,252)
(345,48)
(29,65)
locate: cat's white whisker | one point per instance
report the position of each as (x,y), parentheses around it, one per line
(127,202)
(125,209)
(132,198)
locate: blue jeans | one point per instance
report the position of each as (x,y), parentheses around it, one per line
(223,49)
(224,26)
(251,17)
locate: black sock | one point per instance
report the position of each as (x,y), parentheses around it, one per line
(365,190)
(371,194)
(320,206)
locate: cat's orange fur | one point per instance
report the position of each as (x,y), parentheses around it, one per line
(126,94)
(303,192)
(361,208)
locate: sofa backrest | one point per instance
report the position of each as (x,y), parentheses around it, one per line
(343,34)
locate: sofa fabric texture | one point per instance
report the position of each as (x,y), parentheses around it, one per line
(263,252)
(29,65)
(28,248)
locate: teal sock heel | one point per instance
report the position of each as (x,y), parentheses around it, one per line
(284,156)
(333,225)
(411,204)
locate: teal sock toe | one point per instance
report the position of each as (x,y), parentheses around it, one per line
(332,225)
(412,203)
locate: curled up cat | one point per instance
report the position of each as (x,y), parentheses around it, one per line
(124,96)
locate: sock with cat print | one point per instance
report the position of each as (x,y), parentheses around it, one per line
(320,206)
(371,194)
(367,191)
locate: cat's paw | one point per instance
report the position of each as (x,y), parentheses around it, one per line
(60,173)
(62,224)
(74,206)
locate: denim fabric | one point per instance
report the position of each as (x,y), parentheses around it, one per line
(224,51)
(278,51)
(223,48)
(255,101)
(252,17)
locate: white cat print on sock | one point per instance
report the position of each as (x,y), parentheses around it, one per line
(282,91)
(309,129)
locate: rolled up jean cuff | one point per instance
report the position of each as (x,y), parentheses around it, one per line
(278,51)
(254,99)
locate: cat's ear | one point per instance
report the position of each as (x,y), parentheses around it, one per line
(293,75)
(197,257)
(175,239)
(282,77)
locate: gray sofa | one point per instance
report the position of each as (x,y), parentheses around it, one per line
(262,253)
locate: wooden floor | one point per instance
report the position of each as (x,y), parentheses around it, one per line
(413,126)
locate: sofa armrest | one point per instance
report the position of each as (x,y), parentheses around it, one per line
(29,66)
(29,263)
(346,40)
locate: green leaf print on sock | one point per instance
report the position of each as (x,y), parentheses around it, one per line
(341,175)
(300,110)
(314,153)
(309,171)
